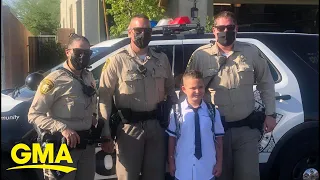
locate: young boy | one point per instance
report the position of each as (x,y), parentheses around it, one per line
(195,143)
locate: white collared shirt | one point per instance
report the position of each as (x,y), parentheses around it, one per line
(188,167)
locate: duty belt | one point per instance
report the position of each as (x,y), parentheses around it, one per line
(134,117)
(254,120)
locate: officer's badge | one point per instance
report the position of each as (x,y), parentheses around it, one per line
(106,64)
(46,86)
(242,58)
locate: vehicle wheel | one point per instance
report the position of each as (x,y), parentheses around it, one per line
(301,163)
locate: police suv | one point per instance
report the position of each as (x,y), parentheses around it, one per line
(289,152)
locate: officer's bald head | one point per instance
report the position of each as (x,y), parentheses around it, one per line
(139,20)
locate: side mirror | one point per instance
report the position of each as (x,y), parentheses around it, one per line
(33,80)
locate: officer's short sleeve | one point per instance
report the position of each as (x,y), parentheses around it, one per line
(48,91)
(265,82)
(94,99)
(169,83)
(171,130)
(108,81)
(218,127)
(192,64)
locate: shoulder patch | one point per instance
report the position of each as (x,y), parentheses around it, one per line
(46,86)
(106,64)
(190,61)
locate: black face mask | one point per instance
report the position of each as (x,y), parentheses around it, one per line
(81,62)
(142,40)
(226,38)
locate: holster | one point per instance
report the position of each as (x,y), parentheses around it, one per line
(57,139)
(254,120)
(95,132)
(86,137)
(163,112)
(114,122)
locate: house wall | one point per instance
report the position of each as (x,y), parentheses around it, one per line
(85,16)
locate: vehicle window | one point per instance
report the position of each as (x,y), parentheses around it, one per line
(97,50)
(175,52)
(167,49)
(97,71)
(190,48)
(309,53)
(274,72)
(183,54)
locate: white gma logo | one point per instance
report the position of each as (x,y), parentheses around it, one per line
(38,155)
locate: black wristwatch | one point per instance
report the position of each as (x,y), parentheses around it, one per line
(274,115)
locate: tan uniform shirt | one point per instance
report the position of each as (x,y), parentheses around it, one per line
(60,102)
(131,89)
(231,89)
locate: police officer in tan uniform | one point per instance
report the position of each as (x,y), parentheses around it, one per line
(234,67)
(138,78)
(60,105)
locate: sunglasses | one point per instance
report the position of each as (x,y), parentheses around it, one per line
(139,30)
(228,27)
(81,52)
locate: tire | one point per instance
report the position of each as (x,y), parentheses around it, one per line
(301,157)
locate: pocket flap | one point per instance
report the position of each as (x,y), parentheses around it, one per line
(131,76)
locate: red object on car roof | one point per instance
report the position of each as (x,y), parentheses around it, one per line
(181,20)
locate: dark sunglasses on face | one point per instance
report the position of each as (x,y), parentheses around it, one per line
(82,52)
(139,30)
(222,28)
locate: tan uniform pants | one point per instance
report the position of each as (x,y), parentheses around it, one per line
(140,149)
(240,154)
(85,162)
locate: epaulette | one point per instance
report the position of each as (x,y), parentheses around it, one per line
(157,49)
(122,50)
(207,46)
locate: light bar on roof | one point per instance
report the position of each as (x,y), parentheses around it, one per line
(221,4)
(164,22)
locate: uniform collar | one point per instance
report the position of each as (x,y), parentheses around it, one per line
(149,53)
(65,65)
(215,48)
(185,105)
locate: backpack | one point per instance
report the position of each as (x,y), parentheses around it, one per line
(177,116)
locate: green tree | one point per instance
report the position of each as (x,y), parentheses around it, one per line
(123,10)
(39,16)
(50,55)
(209,24)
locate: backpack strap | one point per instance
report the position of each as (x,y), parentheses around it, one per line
(212,114)
(177,115)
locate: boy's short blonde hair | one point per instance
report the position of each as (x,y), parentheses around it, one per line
(192,74)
